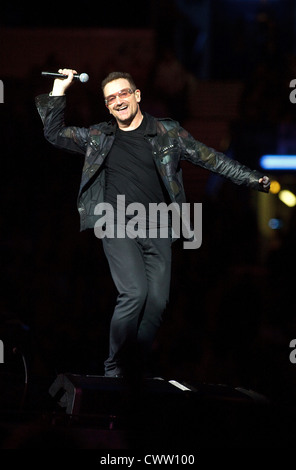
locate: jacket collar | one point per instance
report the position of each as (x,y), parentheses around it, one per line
(109,127)
(151,128)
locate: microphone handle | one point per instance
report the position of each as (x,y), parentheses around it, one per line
(58,75)
(83,77)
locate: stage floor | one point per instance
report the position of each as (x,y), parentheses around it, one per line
(100,413)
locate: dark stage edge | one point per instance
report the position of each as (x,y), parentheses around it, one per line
(72,412)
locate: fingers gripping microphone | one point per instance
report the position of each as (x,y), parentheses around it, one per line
(83,77)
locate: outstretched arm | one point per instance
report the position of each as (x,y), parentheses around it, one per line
(217,162)
(51,110)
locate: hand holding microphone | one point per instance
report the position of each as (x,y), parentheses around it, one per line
(66,78)
(83,77)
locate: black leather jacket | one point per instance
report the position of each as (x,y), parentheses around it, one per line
(170,144)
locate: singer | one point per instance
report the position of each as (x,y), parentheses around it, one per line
(138,156)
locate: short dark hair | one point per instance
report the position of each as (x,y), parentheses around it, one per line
(115,76)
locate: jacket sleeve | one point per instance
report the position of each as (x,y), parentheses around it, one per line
(51,110)
(217,162)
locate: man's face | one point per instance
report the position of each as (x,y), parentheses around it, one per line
(123,108)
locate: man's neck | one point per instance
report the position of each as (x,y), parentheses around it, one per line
(134,124)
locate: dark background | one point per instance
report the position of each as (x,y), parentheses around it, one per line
(232,311)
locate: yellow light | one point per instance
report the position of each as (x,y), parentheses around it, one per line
(287,197)
(275,187)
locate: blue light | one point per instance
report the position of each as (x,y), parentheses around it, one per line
(275,224)
(278,162)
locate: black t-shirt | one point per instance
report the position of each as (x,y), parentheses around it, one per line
(131,171)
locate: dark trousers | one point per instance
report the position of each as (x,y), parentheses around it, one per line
(141,271)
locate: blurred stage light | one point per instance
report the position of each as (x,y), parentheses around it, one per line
(274,187)
(287,197)
(275,224)
(278,162)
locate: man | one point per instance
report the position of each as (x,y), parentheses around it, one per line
(137,157)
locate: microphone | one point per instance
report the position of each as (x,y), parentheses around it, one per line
(83,77)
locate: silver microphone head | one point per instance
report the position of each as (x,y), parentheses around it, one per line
(83,77)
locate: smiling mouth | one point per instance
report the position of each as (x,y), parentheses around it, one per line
(122,108)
